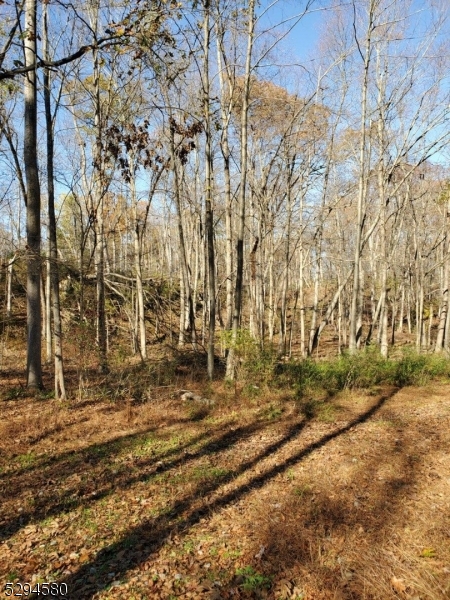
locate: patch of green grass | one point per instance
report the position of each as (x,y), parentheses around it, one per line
(152,445)
(303,491)
(209,472)
(14,393)
(12,576)
(86,520)
(252,580)
(45,395)
(188,547)
(272,412)
(232,554)
(420,369)
(326,413)
(251,391)
(26,460)
(290,475)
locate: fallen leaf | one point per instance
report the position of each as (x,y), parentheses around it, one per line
(398,585)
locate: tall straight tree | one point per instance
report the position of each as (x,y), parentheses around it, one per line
(209,219)
(34,365)
(60,390)
(238,292)
(366,55)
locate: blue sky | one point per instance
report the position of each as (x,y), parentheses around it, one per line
(304,36)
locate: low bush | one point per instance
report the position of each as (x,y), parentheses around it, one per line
(362,370)
(419,369)
(253,365)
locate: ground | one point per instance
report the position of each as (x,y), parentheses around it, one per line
(259,496)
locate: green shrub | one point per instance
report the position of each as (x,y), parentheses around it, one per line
(419,369)
(363,370)
(254,365)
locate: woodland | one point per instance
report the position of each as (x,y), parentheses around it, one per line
(225,265)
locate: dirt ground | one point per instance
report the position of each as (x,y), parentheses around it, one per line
(248,498)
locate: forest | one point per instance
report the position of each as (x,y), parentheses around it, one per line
(225,269)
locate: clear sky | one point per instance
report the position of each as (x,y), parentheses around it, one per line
(285,16)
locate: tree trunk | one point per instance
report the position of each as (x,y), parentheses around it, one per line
(441,339)
(184,270)
(47,312)
(226,112)
(9,277)
(355,310)
(238,294)
(34,364)
(53,289)
(140,312)
(209,217)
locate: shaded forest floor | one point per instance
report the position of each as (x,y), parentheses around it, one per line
(263,497)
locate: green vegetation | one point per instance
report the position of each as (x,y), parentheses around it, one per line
(362,370)
(255,364)
(26,460)
(252,580)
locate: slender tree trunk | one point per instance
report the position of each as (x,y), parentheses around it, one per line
(226,112)
(97,206)
(382,199)
(185,284)
(355,310)
(209,218)
(401,310)
(47,313)
(238,295)
(52,265)
(394,317)
(283,329)
(301,283)
(99,226)
(9,277)
(181,335)
(34,364)
(271,303)
(441,333)
(430,325)
(315,308)
(253,324)
(140,312)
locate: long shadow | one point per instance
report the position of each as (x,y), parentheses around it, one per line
(94,454)
(313,528)
(308,530)
(144,540)
(99,487)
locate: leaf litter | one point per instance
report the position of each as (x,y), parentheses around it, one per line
(233,505)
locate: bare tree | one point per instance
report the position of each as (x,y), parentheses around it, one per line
(33,197)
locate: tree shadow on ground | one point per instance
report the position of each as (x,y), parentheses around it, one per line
(324,540)
(142,541)
(58,483)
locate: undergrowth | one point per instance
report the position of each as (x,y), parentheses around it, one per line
(363,370)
